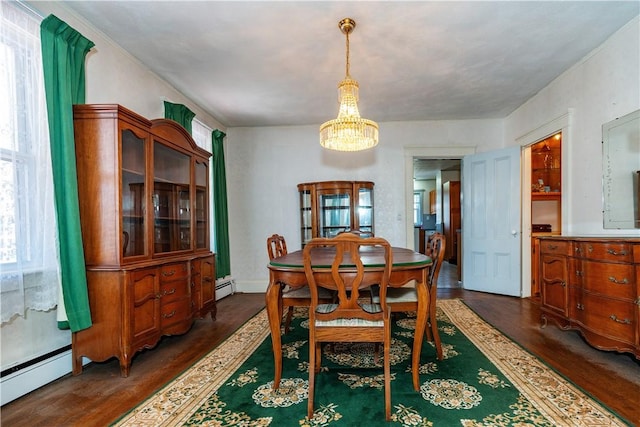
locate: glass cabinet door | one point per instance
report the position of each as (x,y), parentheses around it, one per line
(133,194)
(171,199)
(335,213)
(365,210)
(202,211)
(306,216)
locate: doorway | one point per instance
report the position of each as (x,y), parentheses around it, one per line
(424,161)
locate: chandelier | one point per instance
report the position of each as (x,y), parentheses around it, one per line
(348,132)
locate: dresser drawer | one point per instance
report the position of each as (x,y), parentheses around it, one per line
(173,290)
(613,280)
(175,312)
(605,251)
(555,247)
(174,271)
(610,318)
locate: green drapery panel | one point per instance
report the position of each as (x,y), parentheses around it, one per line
(221,215)
(180,114)
(63,54)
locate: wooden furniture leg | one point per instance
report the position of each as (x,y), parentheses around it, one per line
(421,324)
(272,300)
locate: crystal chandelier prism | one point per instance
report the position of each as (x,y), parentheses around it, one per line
(349,131)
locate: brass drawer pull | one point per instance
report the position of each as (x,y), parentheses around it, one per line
(168,273)
(552,247)
(580,306)
(624,321)
(621,253)
(172,291)
(618,282)
(168,315)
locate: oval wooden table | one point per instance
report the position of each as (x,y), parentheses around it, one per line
(288,270)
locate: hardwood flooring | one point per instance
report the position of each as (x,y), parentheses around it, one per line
(100,396)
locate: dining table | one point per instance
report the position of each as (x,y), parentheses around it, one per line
(407,266)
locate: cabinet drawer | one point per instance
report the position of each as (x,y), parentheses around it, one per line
(556,247)
(605,251)
(613,280)
(174,290)
(174,271)
(610,318)
(175,312)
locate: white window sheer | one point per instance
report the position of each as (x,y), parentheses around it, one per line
(201,134)
(29,272)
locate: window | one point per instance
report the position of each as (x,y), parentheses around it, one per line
(29,274)
(418,197)
(201,134)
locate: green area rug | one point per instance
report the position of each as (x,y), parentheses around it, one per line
(485,379)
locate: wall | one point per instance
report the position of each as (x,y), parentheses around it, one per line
(112,76)
(603,86)
(264,165)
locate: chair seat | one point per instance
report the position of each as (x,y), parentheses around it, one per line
(304,292)
(406,293)
(328,308)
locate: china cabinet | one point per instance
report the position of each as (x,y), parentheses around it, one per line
(592,285)
(330,207)
(546,197)
(451,218)
(144,209)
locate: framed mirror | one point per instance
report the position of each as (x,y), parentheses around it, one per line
(621,172)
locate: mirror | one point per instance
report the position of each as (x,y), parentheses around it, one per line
(621,172)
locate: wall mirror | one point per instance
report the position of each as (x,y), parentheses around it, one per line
(621,172)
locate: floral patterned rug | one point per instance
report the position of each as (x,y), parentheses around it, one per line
(485,379)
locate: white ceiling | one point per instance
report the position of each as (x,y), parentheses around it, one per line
(278,63)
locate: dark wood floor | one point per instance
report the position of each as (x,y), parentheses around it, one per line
(100,396)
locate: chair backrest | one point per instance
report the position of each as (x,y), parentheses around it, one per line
(437,245)
(276,246)
(337,264)
(358,233)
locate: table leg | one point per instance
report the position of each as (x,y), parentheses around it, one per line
(421,324)
(272,300)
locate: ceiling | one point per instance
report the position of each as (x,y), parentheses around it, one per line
(278,63)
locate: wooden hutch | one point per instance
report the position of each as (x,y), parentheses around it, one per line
(144,211)
(330,207)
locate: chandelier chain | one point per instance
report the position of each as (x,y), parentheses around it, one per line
(347,34)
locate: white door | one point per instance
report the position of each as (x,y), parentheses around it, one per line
(491,222)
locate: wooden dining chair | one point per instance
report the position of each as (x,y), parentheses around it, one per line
(358,233)
(291,298)
(406,298)
(349,319)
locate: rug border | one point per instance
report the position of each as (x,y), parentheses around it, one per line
(583,390)
(551,411)
(249,336)
(234,363)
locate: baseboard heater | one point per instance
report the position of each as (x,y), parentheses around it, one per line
(225,286)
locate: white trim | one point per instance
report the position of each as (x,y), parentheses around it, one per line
(33,377)
(411,153)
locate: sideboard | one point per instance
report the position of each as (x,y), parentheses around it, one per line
(592,284)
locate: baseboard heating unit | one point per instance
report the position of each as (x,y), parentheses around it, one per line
(225,286)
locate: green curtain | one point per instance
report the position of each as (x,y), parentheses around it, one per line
(220,213)
(180,114)
(63,54)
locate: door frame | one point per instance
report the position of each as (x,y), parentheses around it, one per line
(433,153)
(561,123)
